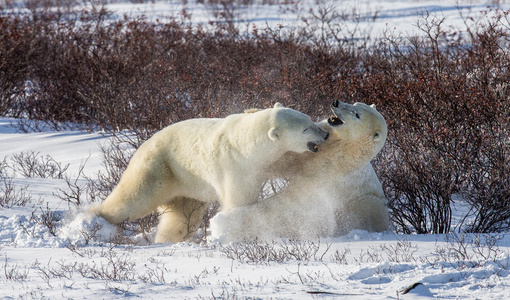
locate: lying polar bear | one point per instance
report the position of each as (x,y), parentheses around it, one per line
(328,194)
(206,160)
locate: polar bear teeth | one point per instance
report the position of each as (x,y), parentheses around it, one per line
(335,121)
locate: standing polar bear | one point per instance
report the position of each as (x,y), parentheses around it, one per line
(205,160)
(328,194)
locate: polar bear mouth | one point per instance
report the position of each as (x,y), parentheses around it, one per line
(335,121)
(312,146)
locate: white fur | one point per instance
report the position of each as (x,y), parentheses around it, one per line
(203,160)
(328,194)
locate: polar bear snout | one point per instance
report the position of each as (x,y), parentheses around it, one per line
(320,135)
(312,147)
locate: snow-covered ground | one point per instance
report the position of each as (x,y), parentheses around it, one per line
(374,17)
(398,16)
(35,263)
(38,264)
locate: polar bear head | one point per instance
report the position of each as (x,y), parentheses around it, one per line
(295,130)
(359,125)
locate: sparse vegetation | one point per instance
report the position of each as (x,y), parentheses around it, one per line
(33,164)
(444,94)
(13,195)
(445,97)
(262,252)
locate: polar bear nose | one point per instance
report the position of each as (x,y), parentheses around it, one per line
(312,147)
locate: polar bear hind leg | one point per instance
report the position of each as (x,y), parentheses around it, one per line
(179,220)
(368,212)
(121,206)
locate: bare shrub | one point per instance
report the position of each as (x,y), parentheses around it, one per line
(3,168)
(33,164)
(486,189)
(328,26)
(370,255)
(419,189)
(340,256)
(157,74)
(50,219)
(401,251)
(285,250)
(76,189)
(14,273)
(442,106)
(81,251)
(116,267)
(468,251)
(13,195)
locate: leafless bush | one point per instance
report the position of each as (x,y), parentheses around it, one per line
(3,168)
(50,219)
(285,250)
(157,74)
(12,194)
(47,218)
(88,235)
(486,186)
(76,189)
(442,108)
(467,251)
(401,251)
(117,267)
(33,164)
(340,256)
(14,273)
(327,26)
(47,273)
(486,247)
(420,190)
(370,255)
(82,189)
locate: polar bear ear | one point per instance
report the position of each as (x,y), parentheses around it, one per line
(373,106)
(278,105)
(273,134)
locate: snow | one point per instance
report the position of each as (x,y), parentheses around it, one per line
(361,265)
(393,17)
(36,263)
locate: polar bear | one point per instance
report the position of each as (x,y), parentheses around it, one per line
(205,160)
(328,194)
